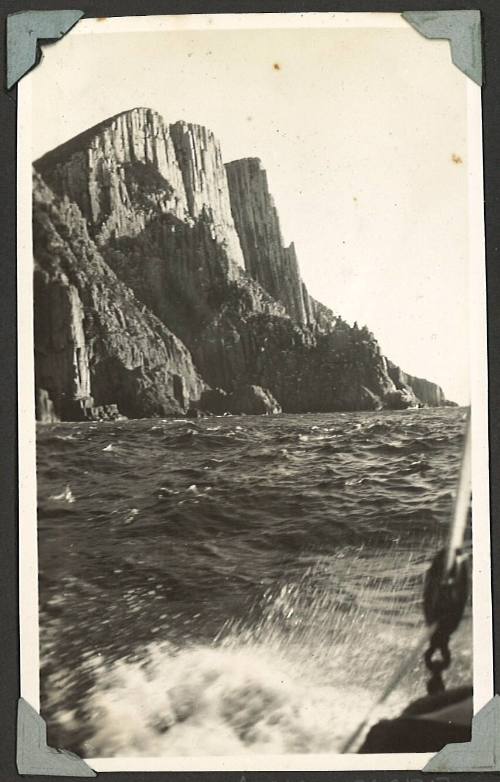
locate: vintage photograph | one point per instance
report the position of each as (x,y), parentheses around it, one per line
(251,369)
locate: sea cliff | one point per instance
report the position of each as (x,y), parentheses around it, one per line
(267,260)
(163,285)
(99,352)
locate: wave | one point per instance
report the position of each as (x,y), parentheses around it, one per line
(238,585)
(206,701)
(64,496)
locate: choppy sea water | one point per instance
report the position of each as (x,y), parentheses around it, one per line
(237,585)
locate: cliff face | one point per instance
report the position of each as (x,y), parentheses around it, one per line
(160,273)
(426,392)
(274,266)
(96,345)
(119,173)
(304,370)
(133,167)
(205,183)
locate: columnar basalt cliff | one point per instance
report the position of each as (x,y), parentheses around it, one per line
(160,274)
(119,173)
(200,159)
(96,345)
(267,260)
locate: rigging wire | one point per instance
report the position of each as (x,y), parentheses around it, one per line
(460,516)
(393,682)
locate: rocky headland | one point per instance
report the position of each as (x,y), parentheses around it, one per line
(163,286)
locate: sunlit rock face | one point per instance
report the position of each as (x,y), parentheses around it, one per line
(426,393)
(119,173)
(205,182)
(161,273)
(267,260)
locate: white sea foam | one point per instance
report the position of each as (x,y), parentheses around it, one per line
(131,516)
(64,496)
(277,685)
(210,701)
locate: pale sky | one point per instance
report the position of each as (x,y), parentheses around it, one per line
(362,132)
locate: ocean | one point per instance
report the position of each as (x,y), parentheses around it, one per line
(234,585)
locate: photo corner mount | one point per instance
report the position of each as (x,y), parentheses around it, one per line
(482,753)
(35,757)
(25,31)
(461,28)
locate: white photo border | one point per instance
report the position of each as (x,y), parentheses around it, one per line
(28,558)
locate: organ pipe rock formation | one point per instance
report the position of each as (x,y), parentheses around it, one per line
(163,285)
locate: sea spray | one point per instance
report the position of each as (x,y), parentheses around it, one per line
(294,676)
(245,590)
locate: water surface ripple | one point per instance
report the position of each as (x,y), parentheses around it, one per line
(238,584)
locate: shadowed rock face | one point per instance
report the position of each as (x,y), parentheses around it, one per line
(161,273)
(95,343)
(253,400)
